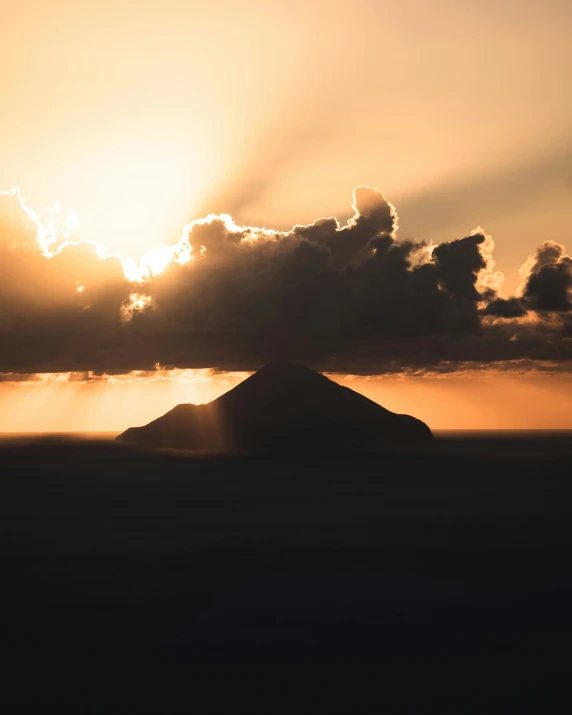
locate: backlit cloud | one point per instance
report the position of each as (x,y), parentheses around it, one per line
(347,297)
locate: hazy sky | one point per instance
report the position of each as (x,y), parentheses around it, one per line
(471,401)
(141,116)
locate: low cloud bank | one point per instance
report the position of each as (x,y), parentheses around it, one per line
(348,298)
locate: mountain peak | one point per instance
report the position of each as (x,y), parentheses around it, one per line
(282,406)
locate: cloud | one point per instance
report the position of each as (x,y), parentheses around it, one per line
(548,285)
(157,375)
(505,308)
(351,298)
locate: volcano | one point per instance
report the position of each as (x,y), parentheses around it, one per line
(280,407)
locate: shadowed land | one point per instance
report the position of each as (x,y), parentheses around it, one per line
(284,408)
(147,581)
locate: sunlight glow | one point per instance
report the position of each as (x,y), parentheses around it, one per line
(55,233)
(137,303)
(89,401)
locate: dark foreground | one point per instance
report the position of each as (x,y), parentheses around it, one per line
(141,582)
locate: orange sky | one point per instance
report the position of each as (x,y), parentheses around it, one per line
(140,116)
(471,401)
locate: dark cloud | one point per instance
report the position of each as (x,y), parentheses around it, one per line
(548,286)
(505,308)
(349,297)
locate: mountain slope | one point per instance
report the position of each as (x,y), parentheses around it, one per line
(281,406)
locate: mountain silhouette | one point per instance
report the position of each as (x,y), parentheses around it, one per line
(280,407)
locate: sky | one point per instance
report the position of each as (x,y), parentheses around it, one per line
(139,118)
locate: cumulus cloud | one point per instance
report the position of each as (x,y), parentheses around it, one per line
(351,297)
(548,285)
(505,308)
